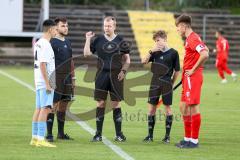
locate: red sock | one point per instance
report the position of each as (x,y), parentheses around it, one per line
(187,126)
(196,123)
(221,73)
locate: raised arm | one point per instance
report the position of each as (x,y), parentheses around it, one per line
(87,50)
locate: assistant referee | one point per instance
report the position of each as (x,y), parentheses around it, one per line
(65,79)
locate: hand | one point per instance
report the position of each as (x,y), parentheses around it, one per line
(121,76)
(156,48)
(73,83)
(89,35)
(48,88)
(214,50)
(189,72)
(172,82)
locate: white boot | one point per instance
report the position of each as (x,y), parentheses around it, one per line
(234,76)
(224,81)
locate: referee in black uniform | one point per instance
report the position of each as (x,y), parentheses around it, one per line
(113,62)
(65,80)
(165,68)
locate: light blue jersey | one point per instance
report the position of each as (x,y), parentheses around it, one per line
(43,53)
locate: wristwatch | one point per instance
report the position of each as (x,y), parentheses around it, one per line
(150,52)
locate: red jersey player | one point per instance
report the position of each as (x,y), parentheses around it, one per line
(222,48)
(196,53)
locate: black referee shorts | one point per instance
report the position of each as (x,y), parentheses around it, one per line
(107,81)
(160,87)
(63,89)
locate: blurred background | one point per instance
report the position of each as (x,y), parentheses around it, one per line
(136,20)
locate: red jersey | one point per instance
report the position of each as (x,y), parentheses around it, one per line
(222,48)
(193,46)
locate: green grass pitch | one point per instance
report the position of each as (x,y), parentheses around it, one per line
(219,138)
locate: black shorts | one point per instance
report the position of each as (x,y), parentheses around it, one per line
(160,87)
(107,81)
(63,89)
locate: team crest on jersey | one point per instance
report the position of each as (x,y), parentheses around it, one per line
(110,47)
(65,46)
(187,94)
(38,45)
(161,57)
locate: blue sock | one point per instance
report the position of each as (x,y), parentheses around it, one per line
(34,129)
(41,130)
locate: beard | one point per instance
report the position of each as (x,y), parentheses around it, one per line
(63,34)
(108,34)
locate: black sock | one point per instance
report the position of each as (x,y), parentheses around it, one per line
(50,120)
(99,119)
(151,124)
(61,121)
(168,124)
(117,118)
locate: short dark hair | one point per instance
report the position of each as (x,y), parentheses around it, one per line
(184,18)
(160,33)
(220,30)
(47,24)
(60,19)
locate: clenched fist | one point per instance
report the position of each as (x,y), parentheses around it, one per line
(89,35)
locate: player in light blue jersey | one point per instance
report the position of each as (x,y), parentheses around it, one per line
(44,68)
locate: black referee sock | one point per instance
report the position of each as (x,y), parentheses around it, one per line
(168,124)
(61,122)
(99,119)
(117,117)
(151,124)
(50,120)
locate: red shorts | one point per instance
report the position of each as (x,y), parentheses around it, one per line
(191,87)
(221,62)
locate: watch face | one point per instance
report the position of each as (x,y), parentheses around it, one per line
(124,71)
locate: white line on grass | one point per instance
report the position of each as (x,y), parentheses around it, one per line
(17,80)
(83,124)
(107,142)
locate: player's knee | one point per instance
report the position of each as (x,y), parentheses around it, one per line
(45,110)
(183,108)
(168,110)
(55,107)
(115,104)
(37,112)
(195,109)
(152,110)
(62,106)
(101,104)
